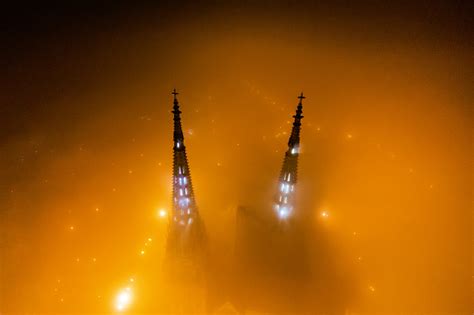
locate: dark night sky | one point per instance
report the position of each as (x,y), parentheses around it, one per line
(45,41)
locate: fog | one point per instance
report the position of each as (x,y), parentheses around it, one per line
(384,194)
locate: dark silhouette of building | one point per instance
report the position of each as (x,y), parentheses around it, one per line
(270,249)
(284,203)
(185,260)
(272,270)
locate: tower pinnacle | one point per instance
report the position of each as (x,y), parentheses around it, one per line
(185,212)
(284,200)
(294,140)
(186,241)
(178,136)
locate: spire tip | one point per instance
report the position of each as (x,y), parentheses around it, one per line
(301,97)
(174,94)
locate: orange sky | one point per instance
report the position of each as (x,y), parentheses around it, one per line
(86,151)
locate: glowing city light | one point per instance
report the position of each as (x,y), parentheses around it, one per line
(123,299)
(162,213)
(325,214)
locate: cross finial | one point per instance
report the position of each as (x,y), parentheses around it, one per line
(301,97)
(174,93)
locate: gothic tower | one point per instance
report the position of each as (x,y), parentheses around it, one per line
(186,235)
(186,245)
(284,202)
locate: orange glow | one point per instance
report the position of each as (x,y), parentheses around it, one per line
(162,213)
(123,300)
(382,216)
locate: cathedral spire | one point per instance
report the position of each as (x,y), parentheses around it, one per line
(185,216)
(284,202)
(294,140)
(178,136)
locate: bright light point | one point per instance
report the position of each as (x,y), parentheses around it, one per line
(283,213)
(123,299)
(325,214)
(149,239)
(142,252)
(96,209)
(349,136)
(162,213)
(371,288)
(132,280)
(71,228)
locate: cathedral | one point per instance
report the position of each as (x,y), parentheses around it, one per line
(263,280)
